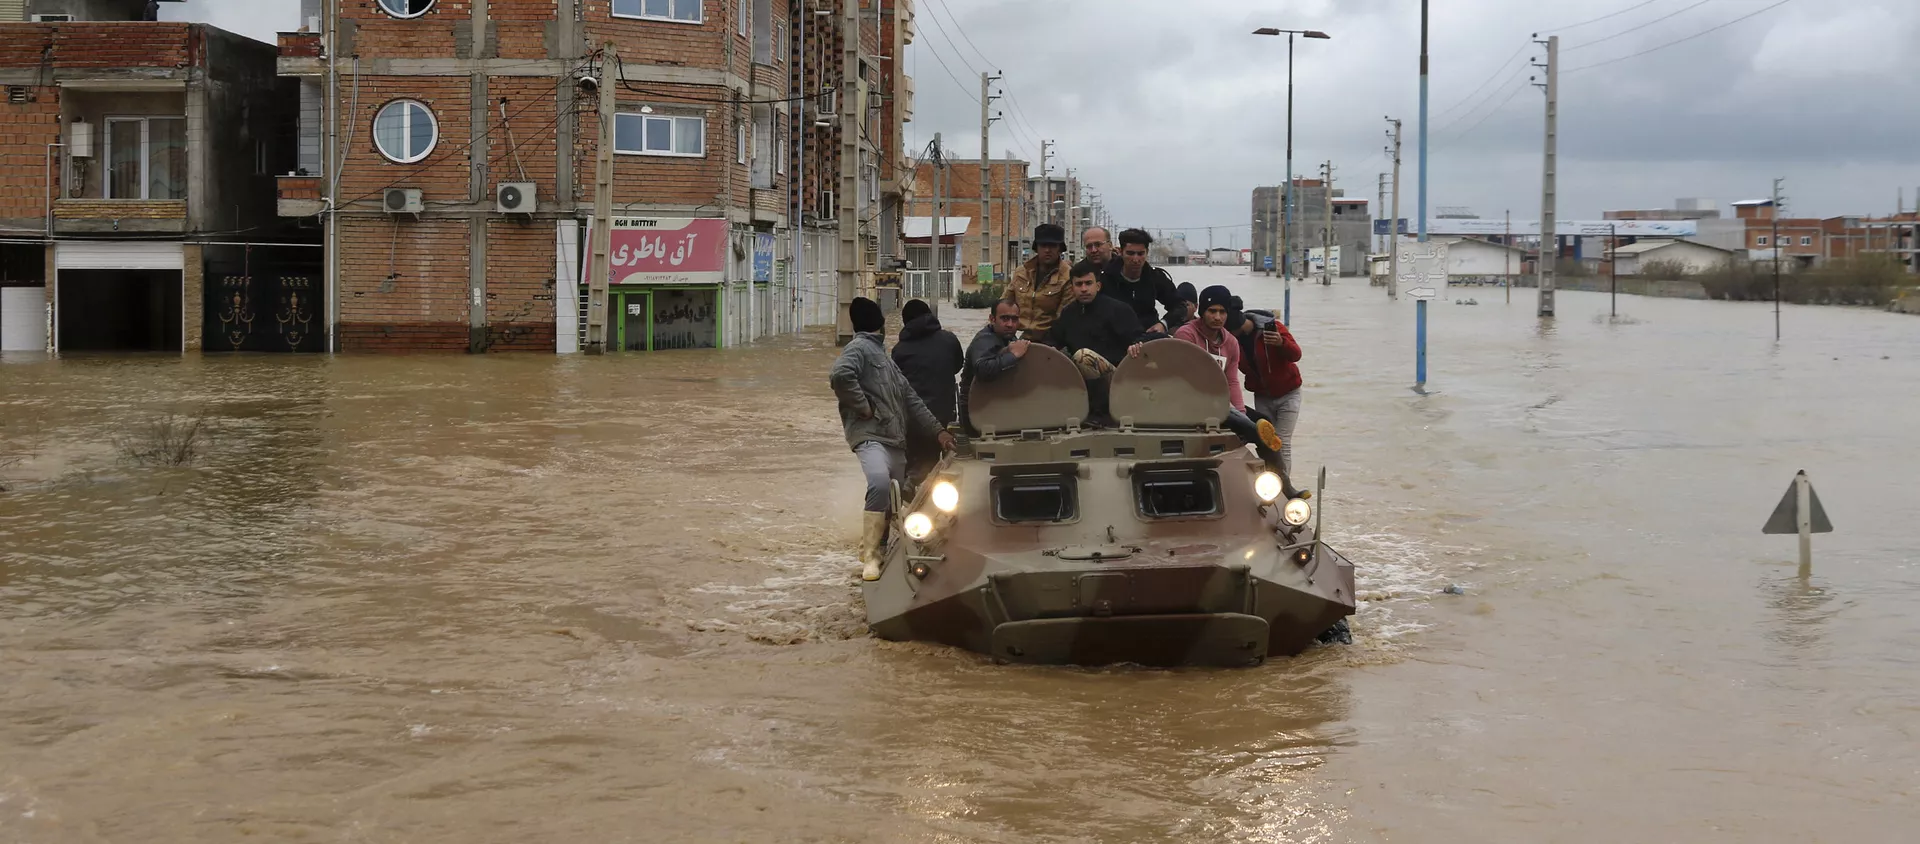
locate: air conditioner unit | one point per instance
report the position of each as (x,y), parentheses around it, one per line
(402,201)
(516,198)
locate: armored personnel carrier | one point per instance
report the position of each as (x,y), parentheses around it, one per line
(1163,541)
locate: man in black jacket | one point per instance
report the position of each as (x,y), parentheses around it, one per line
(1095,331)
(992,353)
(930,357)
(1139,284)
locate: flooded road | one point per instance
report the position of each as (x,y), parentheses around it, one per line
(519,598)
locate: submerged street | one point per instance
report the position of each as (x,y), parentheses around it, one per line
(537,598)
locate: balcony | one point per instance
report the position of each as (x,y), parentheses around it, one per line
(300,196)
(301,54)
(168,216)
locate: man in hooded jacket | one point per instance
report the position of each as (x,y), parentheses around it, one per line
(930,357)
(878,411)
(1039,287)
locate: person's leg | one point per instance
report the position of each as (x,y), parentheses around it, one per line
(880,465)
(1098,372)
(1286,417)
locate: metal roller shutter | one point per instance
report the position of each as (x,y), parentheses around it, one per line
(23,319)
(119,255)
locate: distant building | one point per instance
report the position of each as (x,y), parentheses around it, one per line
(1350,228)
(1691,258)
(1007,216)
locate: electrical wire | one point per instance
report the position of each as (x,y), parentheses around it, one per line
(943,64)
(1496,110)
(423,166)
(1602,17)
(1478,88)
(1755,13)
(1681,11)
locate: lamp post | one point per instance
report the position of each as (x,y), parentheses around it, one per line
(1286,258)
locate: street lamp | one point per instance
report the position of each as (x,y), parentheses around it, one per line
(1286,260)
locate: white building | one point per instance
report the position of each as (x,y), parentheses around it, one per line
(1470,260)
(1632,258)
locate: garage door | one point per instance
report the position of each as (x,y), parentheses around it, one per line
(23,319)
(119,255)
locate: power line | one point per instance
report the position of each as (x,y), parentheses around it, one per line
(1602,17)
(975,98)
(1496,110)
(1490,77)
(1491,93)
(964,35)
(1679,40)
(1681,11)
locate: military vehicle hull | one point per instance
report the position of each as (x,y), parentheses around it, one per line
(1163,541)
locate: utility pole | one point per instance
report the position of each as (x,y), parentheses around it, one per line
(1393,224)
(1549,237)
(986,170)
(1420,303)
(1070,199)
(601,273)
(848,196)
(1775,240)
(1326,224)
(1380,207)
(1045,199)
(939,218)
(1506,280)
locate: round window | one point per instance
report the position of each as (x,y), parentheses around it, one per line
(406,8)
(405,131)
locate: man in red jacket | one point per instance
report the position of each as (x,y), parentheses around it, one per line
(1270,361)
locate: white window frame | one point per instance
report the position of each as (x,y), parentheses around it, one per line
(1806,240)
(740,142)
(393,14)
(746,17)
(1763,240)
(700,13)
(146,153)
(780,154)
(406,131)
(673,134)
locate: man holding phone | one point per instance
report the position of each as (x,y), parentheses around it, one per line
(1270,361)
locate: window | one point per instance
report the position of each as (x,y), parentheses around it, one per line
(762,147)
(404,131)
(745,15)
(1166,493)
(762,31)
(406,8)
(1762,240)
(1806,240)
(653,134)
(1034,498)
(740,142)
(146,158)
(684,11)
(780,155)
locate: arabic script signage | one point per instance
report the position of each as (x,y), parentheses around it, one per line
(668,250)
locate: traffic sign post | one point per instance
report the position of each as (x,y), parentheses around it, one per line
(1799,511)
(1423,275)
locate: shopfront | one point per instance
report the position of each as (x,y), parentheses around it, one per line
(667,279)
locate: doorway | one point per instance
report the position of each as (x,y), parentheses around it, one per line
(119,311)
(632,325)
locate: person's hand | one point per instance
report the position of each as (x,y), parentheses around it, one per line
(865,413)
(1272,338)
(946,441)
(1133,351)
(1158,328)
(1019,347)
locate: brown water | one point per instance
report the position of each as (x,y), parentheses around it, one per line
(533,599)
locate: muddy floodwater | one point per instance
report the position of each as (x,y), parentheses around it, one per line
(537,599)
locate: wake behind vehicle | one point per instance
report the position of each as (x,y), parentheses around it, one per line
(1163,542)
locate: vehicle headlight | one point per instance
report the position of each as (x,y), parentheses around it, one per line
(919,526)
(1297,512)
(1267,486)
(946,496)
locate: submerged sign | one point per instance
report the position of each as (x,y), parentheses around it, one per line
(668,250)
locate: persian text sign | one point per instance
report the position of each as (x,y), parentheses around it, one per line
(1423,269)
(668,250)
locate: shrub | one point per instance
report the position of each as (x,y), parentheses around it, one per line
(1870,280)
(1663,270)
(169,440)
(976,299)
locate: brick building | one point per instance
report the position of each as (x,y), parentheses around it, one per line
(466,133)
(1006,213)
(136,160)
(1810,241)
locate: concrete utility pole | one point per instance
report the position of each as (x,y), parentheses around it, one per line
(986,170)
(1379,206)
(848,196)
(939,218)
(1045,199)
(601,274)
(1506,279)
(1326,223)
(1069,209)
(1393,223)
(1549,238)
(1775,240)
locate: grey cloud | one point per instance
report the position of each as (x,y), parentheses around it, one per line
(1175,112)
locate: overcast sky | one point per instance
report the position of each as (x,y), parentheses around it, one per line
(1174,112)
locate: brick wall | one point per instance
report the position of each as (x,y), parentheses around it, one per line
(193,297)
(520,27)
(530,136)
(25,131)
(664,42)
(444,175)
(377,34)
(98,45)
(520,286)
(120,209)
(403,284)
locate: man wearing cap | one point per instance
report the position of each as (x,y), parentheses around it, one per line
(878,410)
(1039,287)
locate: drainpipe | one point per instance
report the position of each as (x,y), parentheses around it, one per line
(49,187)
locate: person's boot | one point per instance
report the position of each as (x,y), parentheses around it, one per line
(1270,438)
(872,530)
